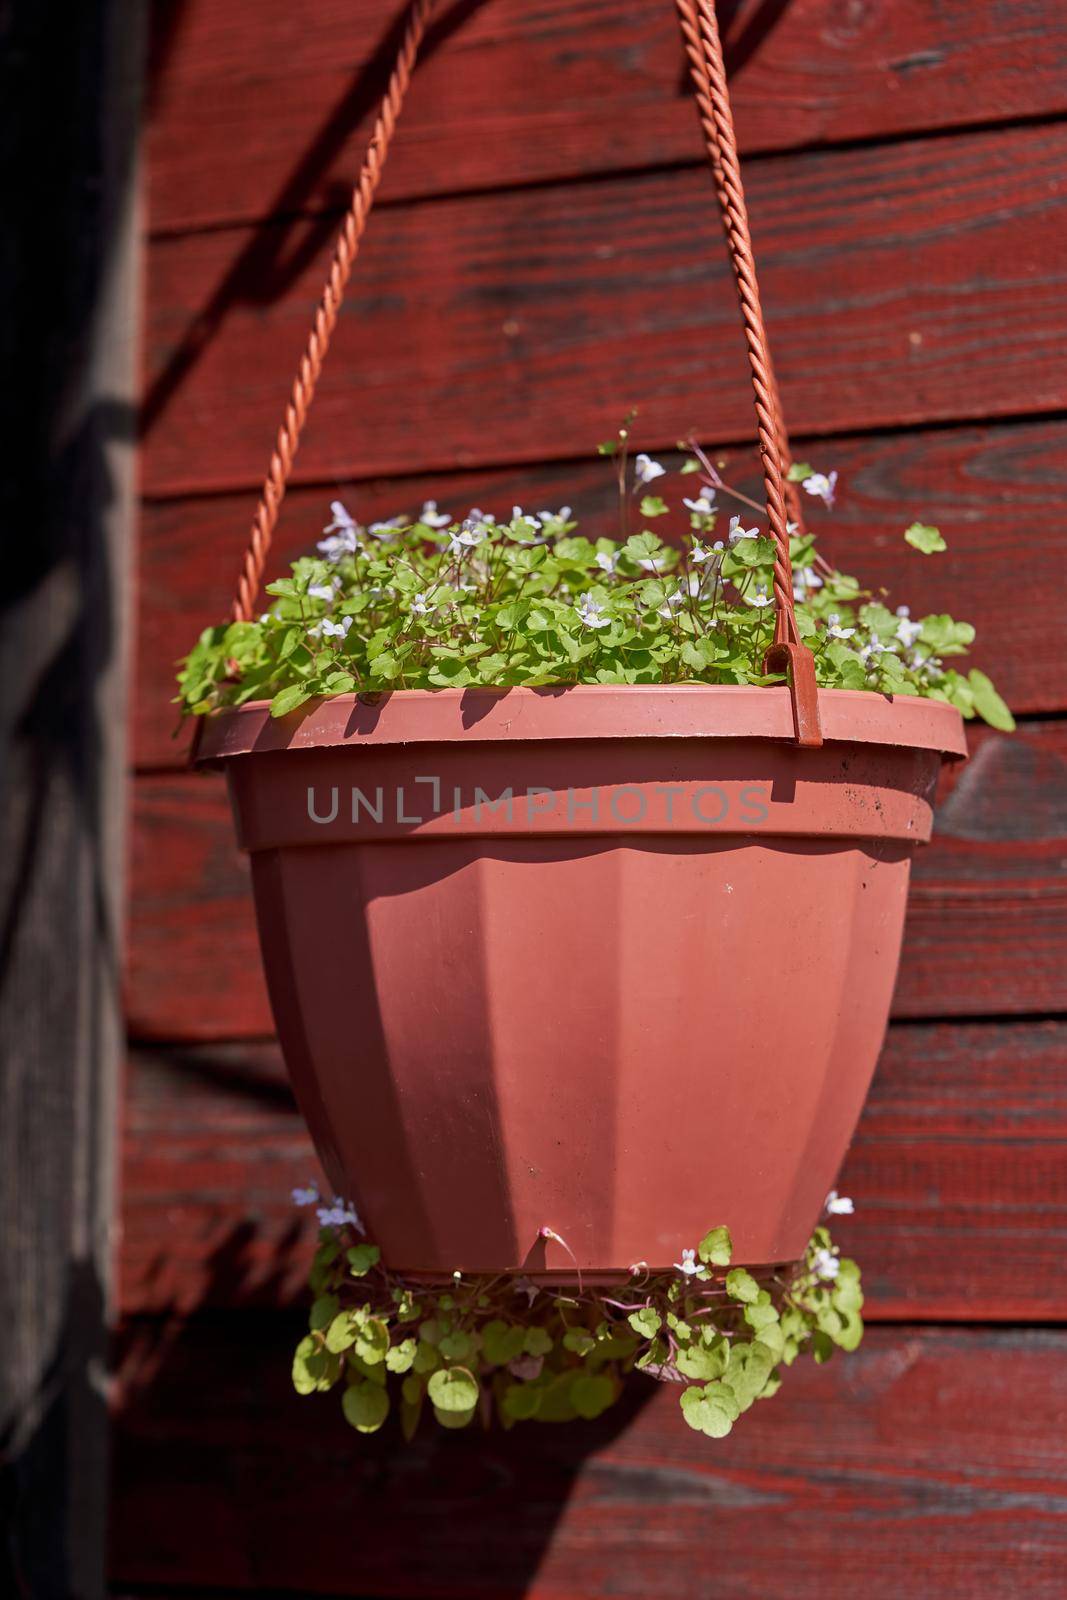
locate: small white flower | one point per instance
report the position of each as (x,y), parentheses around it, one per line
(335,630)
(838,1205)
(471,534)
(737,532)
(903,611)
(822,486)
(341,535)
(836,631)
(826,1265)
(343,521)
(519,515)
(420,606)
(688,1264)
(325,591)
(648,564)
(759,596)
(430,517)
(646,469)
(562,515)
(703,505)
(606,561)
(591,613)
(869,651)
(908,632)
(804,580)
(305,1197)
(265,617)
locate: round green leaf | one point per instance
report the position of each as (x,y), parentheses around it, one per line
(456,1346)
(711,1410)
(521,1401)
(501,1342)
(455,1389)
(647,1322)
(716,1248)
(361,1258)
(340,1335)
(741,1285)
(400,1356)
(365,1406)
(537,1342)
(323,1311)
(372,1340)
(591,1393)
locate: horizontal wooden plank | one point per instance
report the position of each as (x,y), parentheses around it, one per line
(931,1462)
(959,1172)
(986,932)
(903,283)
(513,93)
(973,482)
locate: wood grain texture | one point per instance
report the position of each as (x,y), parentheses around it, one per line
(930,1463)
(972,482)
(513,93)
(986,931)
(959,1172)
(903,283)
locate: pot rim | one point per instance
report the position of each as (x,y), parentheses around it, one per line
(576,712)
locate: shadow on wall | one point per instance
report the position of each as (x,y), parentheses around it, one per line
(280,249)
(290,238)
(221,1471)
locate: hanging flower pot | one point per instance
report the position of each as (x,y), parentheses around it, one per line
(614,960)
(580,872)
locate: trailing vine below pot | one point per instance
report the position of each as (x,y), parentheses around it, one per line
(476,1346)
(437,602)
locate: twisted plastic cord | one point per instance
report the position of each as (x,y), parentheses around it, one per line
(700,36)
(345,253)
(694,49)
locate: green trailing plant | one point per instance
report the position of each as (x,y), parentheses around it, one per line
(436,602)
(505,1345)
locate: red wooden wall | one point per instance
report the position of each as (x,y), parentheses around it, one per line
(545,253)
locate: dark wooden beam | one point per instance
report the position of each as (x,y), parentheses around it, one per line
(68,132)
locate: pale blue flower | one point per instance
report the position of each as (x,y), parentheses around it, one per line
(822,486)
(308,1196)
(839,1205)
(340,1214)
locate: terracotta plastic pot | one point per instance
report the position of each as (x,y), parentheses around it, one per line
(614,961)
